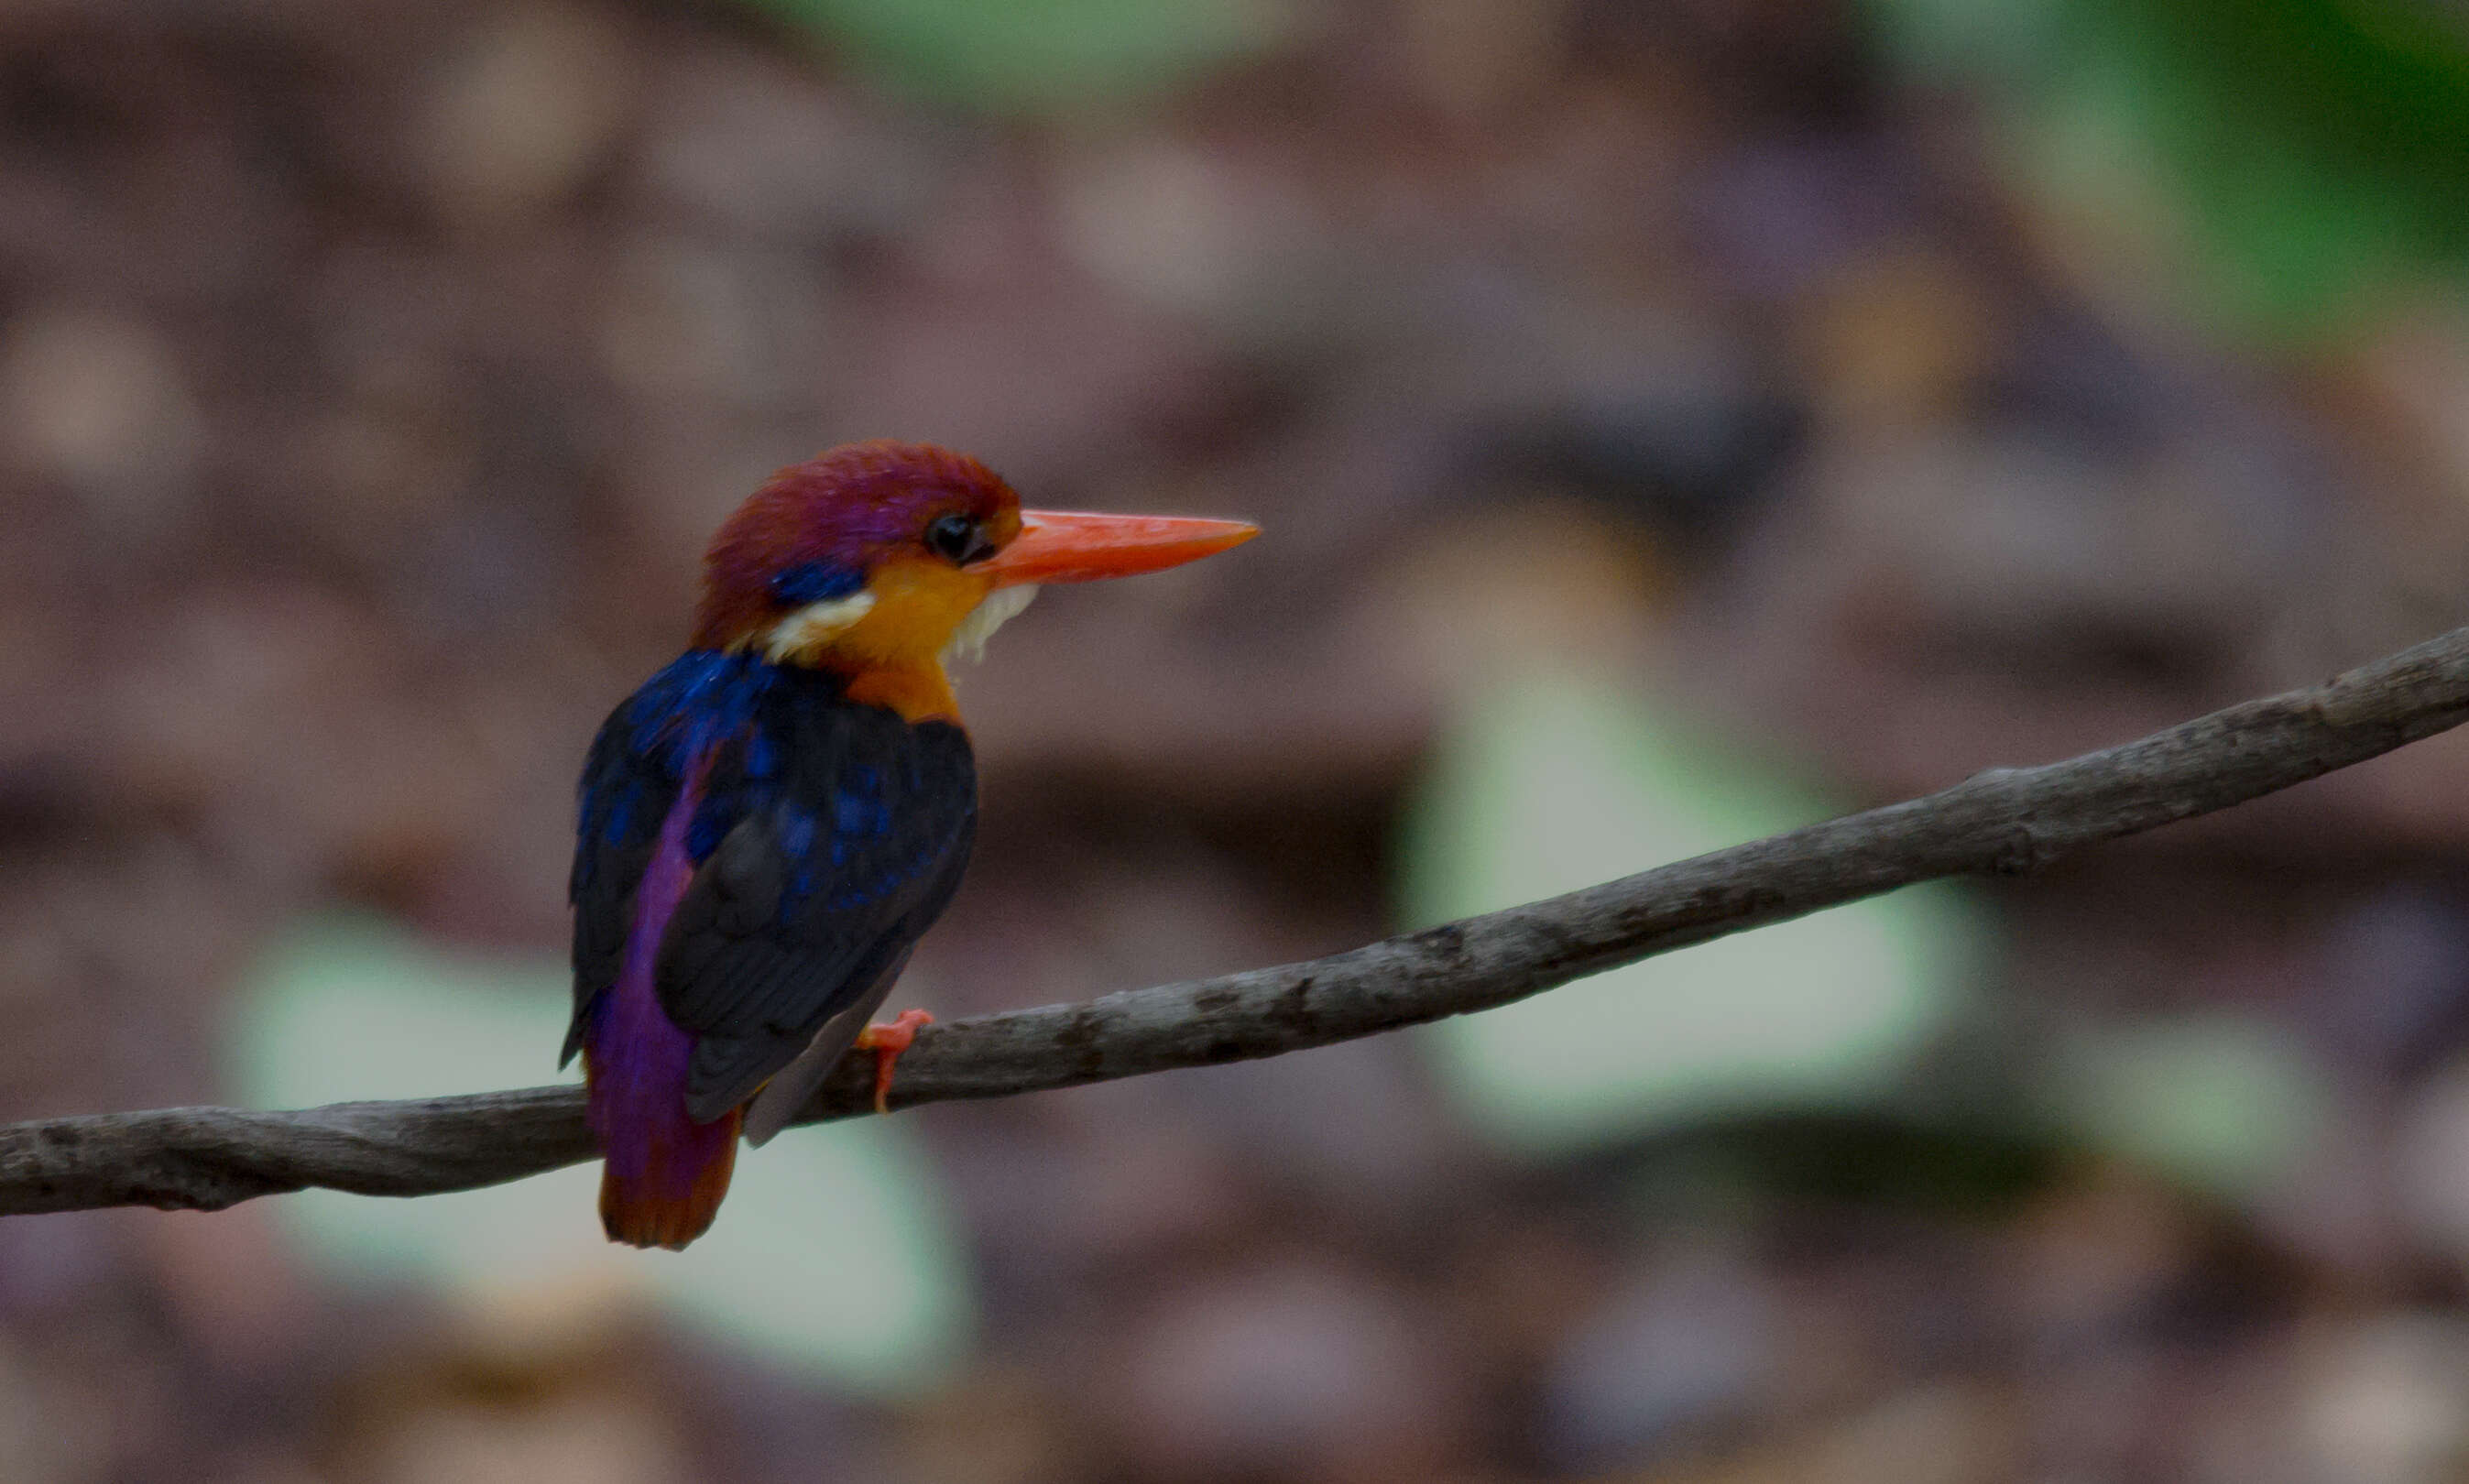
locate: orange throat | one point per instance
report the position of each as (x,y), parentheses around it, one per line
(886,642)
(919,691)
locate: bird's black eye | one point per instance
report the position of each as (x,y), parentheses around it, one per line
(958,539)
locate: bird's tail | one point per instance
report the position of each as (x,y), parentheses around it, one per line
(665,1174)
(677,1190)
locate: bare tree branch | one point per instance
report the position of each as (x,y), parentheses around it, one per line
(2003,822)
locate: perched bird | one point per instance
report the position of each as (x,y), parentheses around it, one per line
(769,825)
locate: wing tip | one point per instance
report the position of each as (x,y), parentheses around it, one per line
(579,1029)
(765,1119)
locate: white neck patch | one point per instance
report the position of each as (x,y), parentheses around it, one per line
(814,625)
(1001,607)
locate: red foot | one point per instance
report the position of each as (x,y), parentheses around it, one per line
(888,1042)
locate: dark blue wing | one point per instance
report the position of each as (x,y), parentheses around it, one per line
(829,836)
(626,790)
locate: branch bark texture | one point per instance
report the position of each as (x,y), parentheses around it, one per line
(2003,822)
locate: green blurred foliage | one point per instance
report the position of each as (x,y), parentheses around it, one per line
(1040,55)
(2314,155)
(1545,785)
(1804,1036)
(2224,1103)
(834,1255)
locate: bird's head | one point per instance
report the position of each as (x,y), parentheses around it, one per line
(886,556)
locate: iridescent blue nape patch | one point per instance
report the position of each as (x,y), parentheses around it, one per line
(814,582)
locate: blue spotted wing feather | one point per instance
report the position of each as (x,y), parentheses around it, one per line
(836,834)
(826,836)
(626,792)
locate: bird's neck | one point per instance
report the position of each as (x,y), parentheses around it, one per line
(917,691)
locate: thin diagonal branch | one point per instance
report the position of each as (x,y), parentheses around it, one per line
(2003,822)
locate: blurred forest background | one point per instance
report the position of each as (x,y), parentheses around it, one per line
(1671,420)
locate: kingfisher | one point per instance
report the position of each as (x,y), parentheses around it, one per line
(769,825)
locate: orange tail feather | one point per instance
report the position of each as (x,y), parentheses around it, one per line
(641,1212)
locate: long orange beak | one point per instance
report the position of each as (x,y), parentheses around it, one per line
(1072,546)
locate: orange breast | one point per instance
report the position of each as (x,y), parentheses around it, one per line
(917,691)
